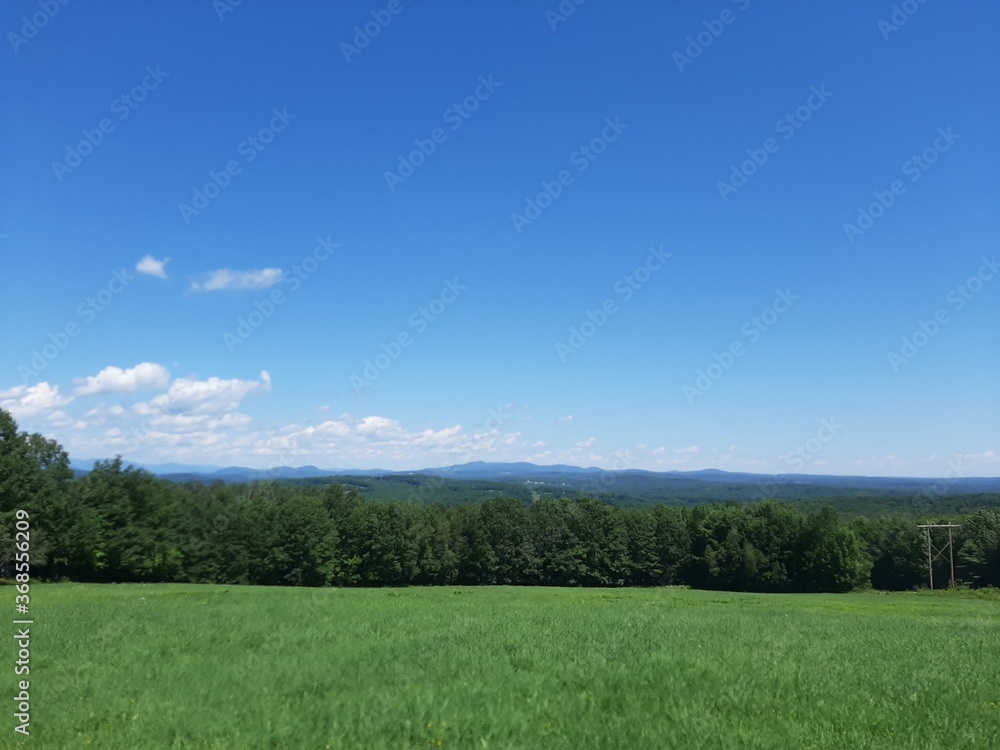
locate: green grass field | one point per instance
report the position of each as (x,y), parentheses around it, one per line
(175,666)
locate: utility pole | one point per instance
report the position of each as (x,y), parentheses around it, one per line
(933,553)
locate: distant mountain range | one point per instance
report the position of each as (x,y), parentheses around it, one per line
(563,474)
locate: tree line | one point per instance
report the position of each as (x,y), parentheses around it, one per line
(119,523)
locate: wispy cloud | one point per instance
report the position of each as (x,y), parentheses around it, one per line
(225,279)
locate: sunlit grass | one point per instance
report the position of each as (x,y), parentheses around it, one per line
(164,666)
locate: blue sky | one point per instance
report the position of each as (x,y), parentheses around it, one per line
(744,235)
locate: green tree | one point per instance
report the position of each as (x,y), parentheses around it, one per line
(290,540)
(561,555)
(897,549)
(129,530)
(980,551)
(645,567)
(833,557)
(35,476)
(673,543)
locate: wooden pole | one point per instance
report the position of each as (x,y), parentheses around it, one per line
(930,558)
(951,551)
(934,554)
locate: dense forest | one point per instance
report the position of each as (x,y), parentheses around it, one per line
(123,524)
(848,502)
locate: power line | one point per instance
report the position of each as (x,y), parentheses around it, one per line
(933,553)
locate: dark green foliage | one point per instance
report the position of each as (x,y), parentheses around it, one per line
(35,477)
(128,509)
(130,526)
(980,552)
(833,558)
(288,539)
(651,491)
(31,467)
(494,542)
(421,488)
(123,524)
(897,549)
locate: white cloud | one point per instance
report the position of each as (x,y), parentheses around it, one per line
(212,396)
(375,440)
(193,423)
(330,427)
(690,450)
(379,427)
(193,420)
(984,456)
(226,279)
(567,418)
(588,443)
(152,267)
(200,420)
(62,420)
(100,414)
(116,380)
(27,401)
(970,464)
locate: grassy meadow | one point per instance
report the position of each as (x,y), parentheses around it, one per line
(185,666)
